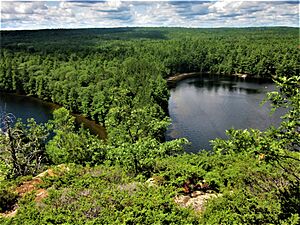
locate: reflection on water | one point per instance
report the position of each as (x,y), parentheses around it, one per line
(25,107)
(202,108)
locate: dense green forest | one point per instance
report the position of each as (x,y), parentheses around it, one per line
(117,77)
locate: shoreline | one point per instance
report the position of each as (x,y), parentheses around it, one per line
(172,80)
(91,125)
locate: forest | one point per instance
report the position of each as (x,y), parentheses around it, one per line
(117,77)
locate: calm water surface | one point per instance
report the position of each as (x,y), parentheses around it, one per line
(202,108)
(27,107)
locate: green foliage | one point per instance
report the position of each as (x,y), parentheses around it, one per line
(117,63)
(102,195)
(127,125)
(116,77)
(256,172)
(71,145)
(141,156)
(254,190)
(288,97)
(7,198)
(4,170)
(23,148)
(179,169)
(242,207)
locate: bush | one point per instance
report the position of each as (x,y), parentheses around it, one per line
(102,195)
(7,199)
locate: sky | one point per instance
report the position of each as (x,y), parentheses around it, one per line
(30,15)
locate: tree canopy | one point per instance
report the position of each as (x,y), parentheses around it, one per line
(117,78)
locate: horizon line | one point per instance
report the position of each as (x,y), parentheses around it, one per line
(118,27)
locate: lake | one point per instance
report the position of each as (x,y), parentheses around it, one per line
(203,107)
(28,107)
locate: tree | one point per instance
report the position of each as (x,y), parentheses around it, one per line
(22,146)
(73,145)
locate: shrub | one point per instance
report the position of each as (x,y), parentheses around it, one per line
(7,199)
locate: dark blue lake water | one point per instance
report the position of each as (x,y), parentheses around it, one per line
(25,107)
(202,108)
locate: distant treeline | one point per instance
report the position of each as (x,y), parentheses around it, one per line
(254,51)
(117,77)
(119,73)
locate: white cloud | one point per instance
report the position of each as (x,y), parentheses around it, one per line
(22,7)
(115,13)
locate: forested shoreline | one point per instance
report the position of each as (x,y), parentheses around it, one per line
(82,69)
(117,77)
